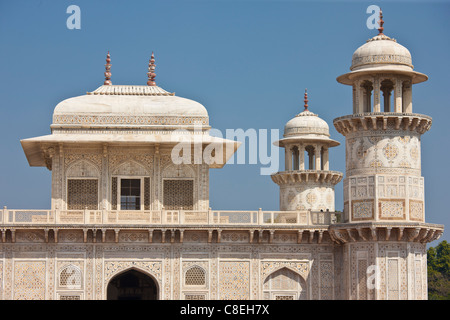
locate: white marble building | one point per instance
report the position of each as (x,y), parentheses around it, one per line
(126,222)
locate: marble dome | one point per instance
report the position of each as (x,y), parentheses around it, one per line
(381,54)
(381,51)
(306,126)
(306,123)
(129,105)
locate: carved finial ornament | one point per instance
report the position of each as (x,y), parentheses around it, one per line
(306,100)
(151,71)
(107,71)
(381,22)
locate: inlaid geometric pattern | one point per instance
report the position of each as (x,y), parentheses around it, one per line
(268,267)
(69,297)
(234,280)
(112,268)
(362,279)
(82,194)
(392,279)
(416,210)
(284,297)
(146,193)
(29,280)
(326,280)
(124,119)
(404,139)
(418,276)
(376,164)
(362,209)
(195,276)
(414,153)
(178,194)
(392,209)
(114,193)
(390,151)
(311,198)
(195,297)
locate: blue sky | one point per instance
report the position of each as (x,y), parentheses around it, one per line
(247,62)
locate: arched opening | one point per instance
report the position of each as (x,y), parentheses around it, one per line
(311,156)
(322,153)
(295,159)
(367,88)
(132,285)
(387,86)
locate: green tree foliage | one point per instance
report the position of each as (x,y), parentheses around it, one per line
(438,261)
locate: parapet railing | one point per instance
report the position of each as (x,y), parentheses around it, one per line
(167,217)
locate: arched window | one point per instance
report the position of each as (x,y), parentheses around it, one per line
(195,276)
(70,277)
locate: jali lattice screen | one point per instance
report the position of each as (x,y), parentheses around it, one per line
(82,194)
(178,194)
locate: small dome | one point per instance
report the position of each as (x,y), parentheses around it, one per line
(306,123)
(306,126)
(381,54)
(381,50)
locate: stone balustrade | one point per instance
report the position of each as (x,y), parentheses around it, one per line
(11,217)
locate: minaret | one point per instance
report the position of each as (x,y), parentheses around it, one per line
(384,211)
(307,182)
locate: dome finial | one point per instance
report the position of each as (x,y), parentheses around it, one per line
(151,71)
(306,100)
(381,22)
(107,71)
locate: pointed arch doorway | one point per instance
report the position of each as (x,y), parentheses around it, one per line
(132,285)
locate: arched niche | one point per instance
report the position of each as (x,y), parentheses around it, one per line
(82,186)
(82,169)
(285,284)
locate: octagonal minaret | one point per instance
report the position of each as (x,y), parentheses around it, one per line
(383,169)
(383,232)
(307,182)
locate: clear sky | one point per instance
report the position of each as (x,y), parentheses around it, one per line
(248,62)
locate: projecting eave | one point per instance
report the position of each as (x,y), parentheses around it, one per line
(38,150)
(349,77)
